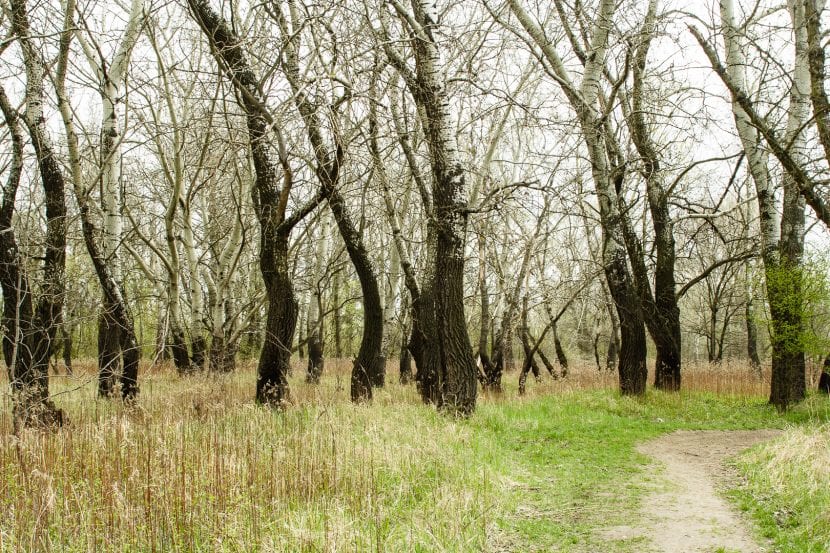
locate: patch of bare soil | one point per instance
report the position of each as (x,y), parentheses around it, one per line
(685,513)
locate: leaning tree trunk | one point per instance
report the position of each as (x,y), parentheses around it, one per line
(270,206)
(112,76)
(560,351)
(584,99)
(368,368)
(29,383)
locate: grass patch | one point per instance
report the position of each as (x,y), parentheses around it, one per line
(787,489)
(198,467)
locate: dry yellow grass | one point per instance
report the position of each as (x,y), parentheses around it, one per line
(197,466)
(788,481)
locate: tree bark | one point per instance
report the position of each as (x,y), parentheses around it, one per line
(30,378)
(29,382)
(661,308)
(369,366)
(448,369)
(781,253)
(270,204)
(584,100)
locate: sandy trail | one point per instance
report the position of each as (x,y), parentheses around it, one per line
(684,513)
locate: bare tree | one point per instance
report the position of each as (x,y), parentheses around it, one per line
(272,196)
(447,370)
(32,327)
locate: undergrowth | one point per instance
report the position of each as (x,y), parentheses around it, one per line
(196,466)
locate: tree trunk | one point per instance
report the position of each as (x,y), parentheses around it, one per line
(109,353)
(405,359)
(66,340)
(661,309)
(752,337)
(270,204)
(275,359)
(487,368)
(560,352)
(29,382)
(315,345)
(782,253)
(314,326)
(448,354)
(369,367)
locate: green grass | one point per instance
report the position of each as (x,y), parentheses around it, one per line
(198,467)
(571,463)
(787,488)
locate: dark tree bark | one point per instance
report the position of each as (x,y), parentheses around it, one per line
(270,202)
(405,361)
(66,342)
(30,386)
(662,313)
(109,353)
(448,364)
(369,366)
(275,358)
(824,378)
(632,353)
(612,353)
(178,350)
(31,328)
(316,360)
(198,346)
(560,352)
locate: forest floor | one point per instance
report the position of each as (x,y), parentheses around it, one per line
(197,466)
(685,512)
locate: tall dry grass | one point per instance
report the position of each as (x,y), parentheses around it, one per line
(196,466)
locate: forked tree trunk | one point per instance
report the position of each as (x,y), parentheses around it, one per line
(270,205)
(492,381)
(660,308)
(448,372)
(103,247)
(584,99)
(782,253)
(29,382)
(368,368)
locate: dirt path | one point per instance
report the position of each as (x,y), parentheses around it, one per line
(684,513)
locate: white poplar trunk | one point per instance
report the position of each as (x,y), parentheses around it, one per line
(749,136)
